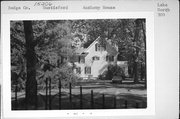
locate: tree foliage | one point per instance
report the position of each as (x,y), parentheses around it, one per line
(56,40)
(128,34)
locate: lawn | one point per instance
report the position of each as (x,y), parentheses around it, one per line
(105,95)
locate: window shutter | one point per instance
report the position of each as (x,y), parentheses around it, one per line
(112,58)
(79,70)
(96,47)
(79,59)
(85,70)
(106,58)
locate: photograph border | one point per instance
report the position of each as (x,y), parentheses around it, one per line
(6,87)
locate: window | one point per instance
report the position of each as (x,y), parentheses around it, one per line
(97,47)
(87,70)
(109,58)
(81,59)
(78,70)
(95,58)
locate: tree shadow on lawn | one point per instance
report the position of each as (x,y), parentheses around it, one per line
(113,85)
(109,102)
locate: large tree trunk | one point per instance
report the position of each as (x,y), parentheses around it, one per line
(139,27)
(135,72)
(144,34)
(136,55)
(31,83)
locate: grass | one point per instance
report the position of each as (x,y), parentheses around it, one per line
(134,94)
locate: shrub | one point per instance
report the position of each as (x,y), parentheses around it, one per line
(106,75)
(64,73)
(113,70)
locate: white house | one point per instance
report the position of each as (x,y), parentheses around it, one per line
(94,60)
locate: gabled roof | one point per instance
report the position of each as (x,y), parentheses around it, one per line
(110,48)
(93,43)
(114,50)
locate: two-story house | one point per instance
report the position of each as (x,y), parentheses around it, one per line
(94,60)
